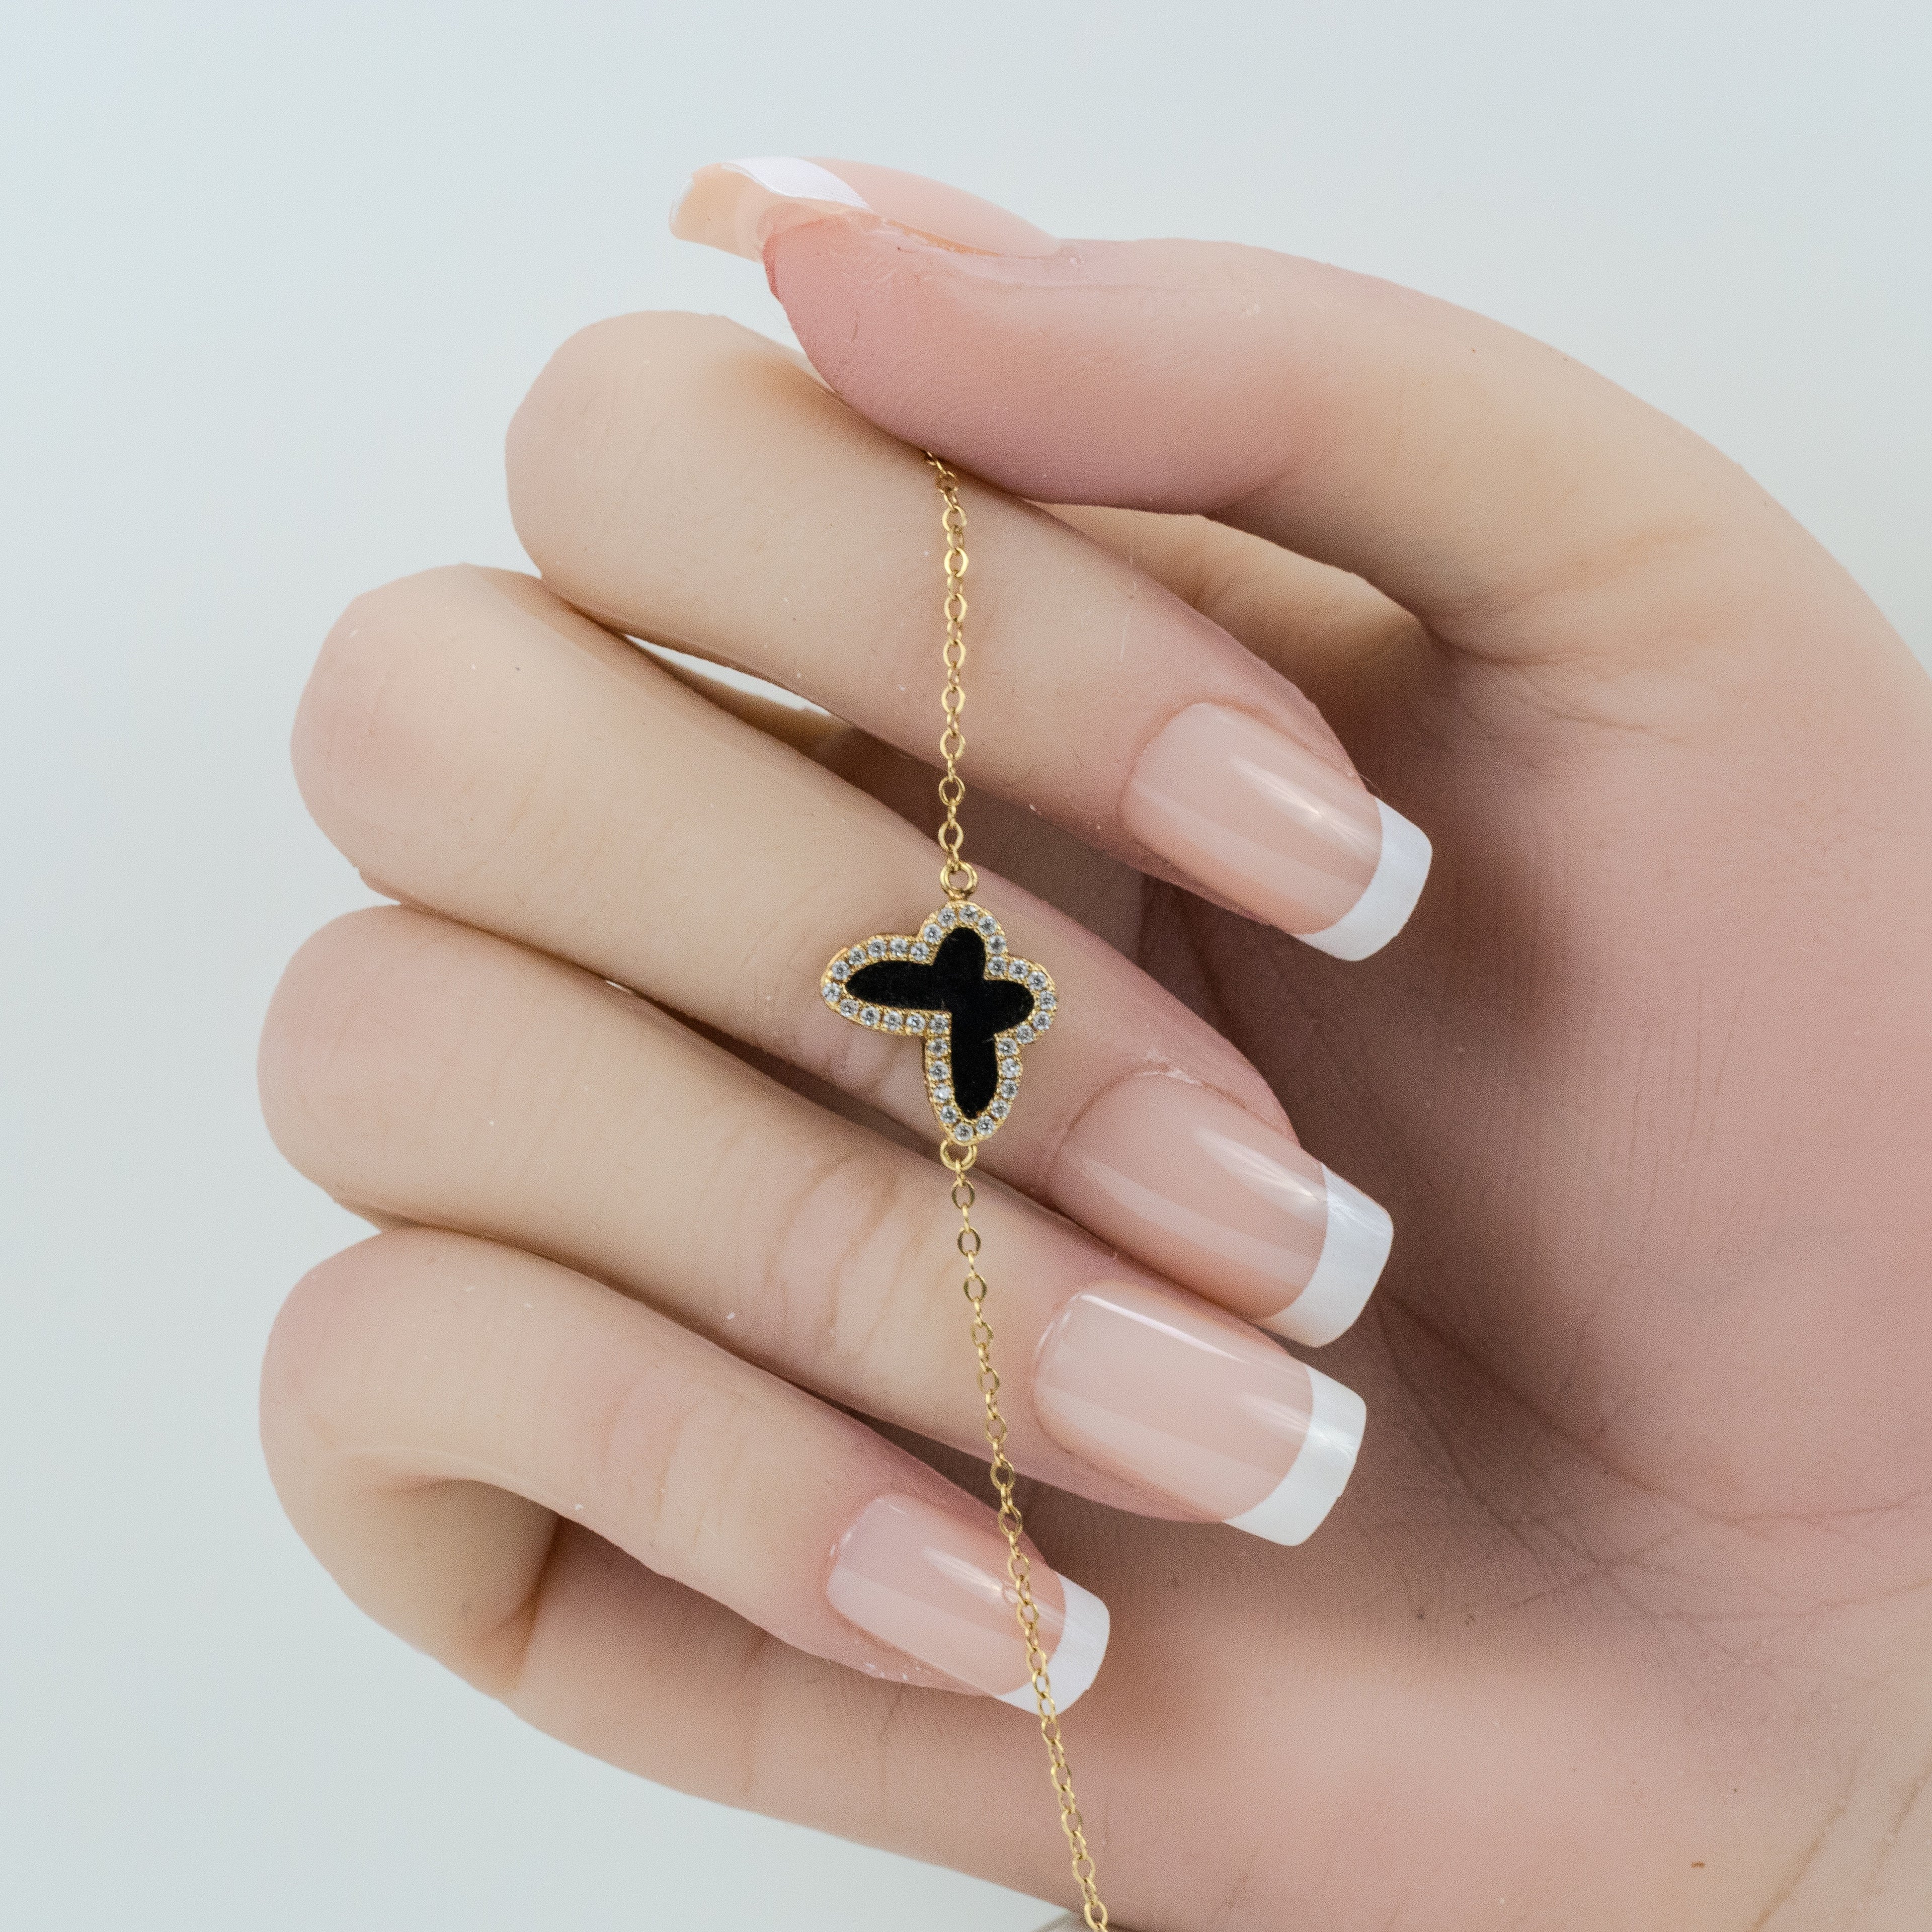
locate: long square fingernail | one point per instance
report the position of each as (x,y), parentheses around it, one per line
(1264,824)
(739,206)
(1223,1203)
(935,1586)
(1187,1401)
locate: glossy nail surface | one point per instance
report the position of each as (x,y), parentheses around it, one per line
(739,206)
(1186,1400)
(1193,1183)
(935,1585)
(1267,825)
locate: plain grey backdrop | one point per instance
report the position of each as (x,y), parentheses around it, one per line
(272,278)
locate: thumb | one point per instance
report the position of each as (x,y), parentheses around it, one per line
(1465,470)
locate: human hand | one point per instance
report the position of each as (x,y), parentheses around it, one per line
(1619,1622)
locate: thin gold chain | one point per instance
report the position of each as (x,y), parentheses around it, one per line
(960,880)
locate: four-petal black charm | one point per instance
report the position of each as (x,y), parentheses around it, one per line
(953,985)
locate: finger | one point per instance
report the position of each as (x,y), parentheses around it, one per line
(1486,482)
(681,479)
(536,1397)
(485,751)
(451,1079)
(1317,625)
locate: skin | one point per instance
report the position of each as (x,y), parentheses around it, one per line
(1621,1622)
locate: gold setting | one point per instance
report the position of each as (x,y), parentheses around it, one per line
(934,1028)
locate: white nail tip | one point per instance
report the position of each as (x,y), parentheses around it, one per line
(1383,909)
(797,180)
(1293,1510)
(1354,1251)
(1075,1661)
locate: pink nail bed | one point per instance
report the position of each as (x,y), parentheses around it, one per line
(1197,1186)
(1265,824)
(1187,1401)
(935,1585)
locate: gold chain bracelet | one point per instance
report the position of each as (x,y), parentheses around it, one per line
(957,987)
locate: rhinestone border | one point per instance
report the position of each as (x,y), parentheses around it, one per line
(1002,963)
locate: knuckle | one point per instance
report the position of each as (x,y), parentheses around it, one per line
(355,1011)
(433,743)
(315,1365)
(603,444)
(635,369)
(370,730)
(670,1458)
(852,1250)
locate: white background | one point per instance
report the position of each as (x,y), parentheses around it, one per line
(272,278)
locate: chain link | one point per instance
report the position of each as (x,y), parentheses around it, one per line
(960,880)
(1019,1567)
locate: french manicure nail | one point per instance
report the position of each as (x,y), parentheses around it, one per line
(739,206)
(935,1586)
(1267,825)
(1185,1400)
(1196,1185)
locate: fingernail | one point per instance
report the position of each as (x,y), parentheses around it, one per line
(739,206)
(935,1586)
(1190,1403)
(1269,827)
(1193,1182)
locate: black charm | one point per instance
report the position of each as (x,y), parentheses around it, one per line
(954,984)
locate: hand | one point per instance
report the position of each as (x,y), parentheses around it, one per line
(1621,1622)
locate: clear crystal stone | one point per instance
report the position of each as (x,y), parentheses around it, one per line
(1035,979)
(891,1023)
(948,1112)
(875,949)
(915,1022)
(998,944)
(839,971)
(1041,1021)
(848,1007)
(999,1110)
(870,1017)
(856,957)
(930,930)
(1024,1031)
(899,949)
(1047,1003)
(962,1132)
(918,950)
(832,996)
(1008,1088)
